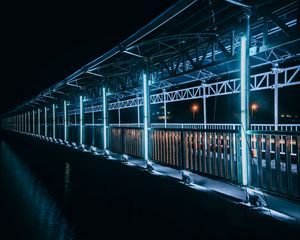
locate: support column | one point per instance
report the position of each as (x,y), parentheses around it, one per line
(33,122)
(46,132)
(138,110)
(81,120)
(53,120)
(39,121)
(204,116)
(146,115)
(165,108)
(65,122)
(25,123)
(245,92)
(104,116)
(119,113)
(29,123)
(93,126)
(276,98)
(204,105)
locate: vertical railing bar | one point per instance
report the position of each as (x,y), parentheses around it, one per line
(288,165)
(268,162)
(278,162)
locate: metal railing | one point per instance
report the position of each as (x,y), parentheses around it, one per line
(213,152)
(275,161)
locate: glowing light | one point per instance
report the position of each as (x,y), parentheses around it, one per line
(104,109)
(254,107)
(53,119)
(243,111)
(81,118)
(45,121)
(195,109)
(146,113)
(65,120)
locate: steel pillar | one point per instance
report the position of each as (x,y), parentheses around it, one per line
(93,126)
(146,115)
(165,108)
(276,99)
(204,106)
(29,122)
(39,121)
(65,122)
(138,111)
(81,120)
(104,117)
(243,165)
(46,132)
(53,120)
(33,122)
(119,113)
(25,123)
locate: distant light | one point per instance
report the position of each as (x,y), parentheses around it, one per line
(254,106)
(195,109)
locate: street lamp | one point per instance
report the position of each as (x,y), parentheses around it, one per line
(254,107)
(195,108)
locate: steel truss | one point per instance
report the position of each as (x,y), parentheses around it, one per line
(287,77)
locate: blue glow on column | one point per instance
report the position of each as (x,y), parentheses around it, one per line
(81,118)
(33,122)
(39,121)
(104,112)
(146,114)
(29,122)
(45,121)
(65,120)
(53,118)
(243,111)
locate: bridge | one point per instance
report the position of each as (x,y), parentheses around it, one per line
(195,50)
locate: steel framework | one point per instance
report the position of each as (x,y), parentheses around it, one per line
(192,50)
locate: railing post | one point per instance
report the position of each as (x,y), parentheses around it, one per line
(245,92)
(104,116)
(65,122)
(46,132)
(53,119)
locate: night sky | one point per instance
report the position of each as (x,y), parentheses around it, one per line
(43,42)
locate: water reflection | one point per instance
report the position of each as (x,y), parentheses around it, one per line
(39,213)
(67,181)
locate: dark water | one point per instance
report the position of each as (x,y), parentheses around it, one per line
(50,192)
